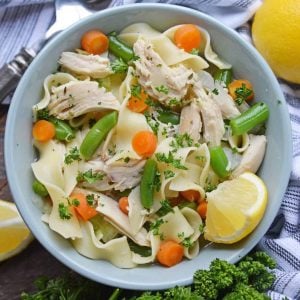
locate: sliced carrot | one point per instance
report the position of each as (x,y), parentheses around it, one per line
(138,104)
(202,208)
(188,37)
(239,84)
(94,42)
(170,253)
(191,195)
(123,205)
(144,143)
(83,209)
(43,131)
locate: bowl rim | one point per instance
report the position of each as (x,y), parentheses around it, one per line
(12,175)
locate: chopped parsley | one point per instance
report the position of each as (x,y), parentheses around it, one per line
(165,208)
(195,51)
(72,156)
(152,123)
(242,93)
(201,228)
(162,89)
(182,141)
(170,160)
(43,114)
(186,242)
(154,227)
(136,90)
(89,176)
(168,174)
(90,199)
(215,91)
(210,187)
(64,212)
(75,202)
(119,66)
(126,159)
(157,181)
(174,102)
(201,158)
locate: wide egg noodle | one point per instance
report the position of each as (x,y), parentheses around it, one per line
(48,170)
(239,143)
(50,81)
(116,251)
(209,54)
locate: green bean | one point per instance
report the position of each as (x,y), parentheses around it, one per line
(39,188)
(97,134)
(169,117)
(119,49)
(63,131)
(223,75)
(255,115)
(219,161)
(147,183)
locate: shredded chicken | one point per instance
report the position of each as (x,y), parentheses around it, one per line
(253,156)
(125,175)
(79,97)
(168,85)
(213,124)
(90,65)
(190,121)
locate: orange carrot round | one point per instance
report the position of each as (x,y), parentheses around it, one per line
(94,42)
(123,205)
(170,253)
(144,143)
(138,104)
(191,195)
(188,37)
(202,208)
(237,85)
(83,209)
(43,131)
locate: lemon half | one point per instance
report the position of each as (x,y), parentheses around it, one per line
(14,235)
(235,208)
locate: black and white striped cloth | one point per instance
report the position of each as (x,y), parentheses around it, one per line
(24,21)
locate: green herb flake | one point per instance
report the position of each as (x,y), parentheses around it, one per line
(154,227)
(126,159)
(157,181)
(152,123)
(201,228)
(162,89)
(90,199)
(174,102)
(136,90)
(64,212)
(89,176)
(182,141)
(215,91)
(194,51)
(242,94)
(43,114)
(165,208)
(119,66)
(72,156)
(168,174)
(170,160)
(75,202)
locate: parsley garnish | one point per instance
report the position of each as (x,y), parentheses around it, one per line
(64,212)
(136,90)
(165,208)
(119,66)
(182,141)
(126,159)
(75,202)
(195,51)
(152,123)
(43,114)
(210,187)
(162,89)
(174,102)
(90,199)
(154,227)
(186,242)
(242,94)
(201,158)
(157,182)
(170,160)
(169,174)
(89,176)
(201,228)
(72,156)
(215,91)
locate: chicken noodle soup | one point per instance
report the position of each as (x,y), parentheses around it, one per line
(133,135)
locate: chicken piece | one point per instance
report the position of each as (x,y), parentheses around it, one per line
(168,85)
(125,175)
(253,156)
(225,102)
(76,98)
(90,65)
(213,124)
(190,121)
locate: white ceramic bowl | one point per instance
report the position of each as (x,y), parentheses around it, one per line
(19,153)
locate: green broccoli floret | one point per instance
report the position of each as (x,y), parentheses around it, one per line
(205,285)
(149,296)
(181,293)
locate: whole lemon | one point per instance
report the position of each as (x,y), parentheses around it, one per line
(276,35)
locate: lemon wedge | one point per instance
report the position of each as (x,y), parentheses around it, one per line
(14,235)
(235,208)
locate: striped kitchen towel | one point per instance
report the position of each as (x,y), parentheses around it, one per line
(24,21)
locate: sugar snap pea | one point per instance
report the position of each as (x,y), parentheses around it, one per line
(169,117)
(63,131)
(39,188)
(223,75)
(256,114)
(219,161)
(97,134)
(147,183)
(118,48)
